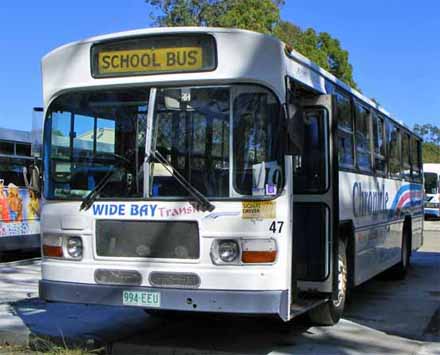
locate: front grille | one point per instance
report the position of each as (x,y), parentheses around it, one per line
(174,279)
(147,239)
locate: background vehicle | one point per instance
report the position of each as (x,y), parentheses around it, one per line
(215,170)
(19,203)
(432,190)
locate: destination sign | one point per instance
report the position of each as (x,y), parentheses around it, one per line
(147,60)
(153,55)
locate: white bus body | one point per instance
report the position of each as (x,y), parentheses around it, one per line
(432,190)
(282,215)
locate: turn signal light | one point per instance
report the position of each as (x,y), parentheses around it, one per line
(259,251)
(52,246)
(52,251)
(258,256)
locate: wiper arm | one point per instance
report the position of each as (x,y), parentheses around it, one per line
(205,204)
(87,202)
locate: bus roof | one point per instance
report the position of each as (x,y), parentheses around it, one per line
(431,168)
(58,61)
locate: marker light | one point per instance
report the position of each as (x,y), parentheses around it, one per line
(52,246)
(75,247)
(258,251)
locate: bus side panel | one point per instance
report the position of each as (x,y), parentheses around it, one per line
(19,218)
(377,207)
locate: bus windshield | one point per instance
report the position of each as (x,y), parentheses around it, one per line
(223,140)
(431,183)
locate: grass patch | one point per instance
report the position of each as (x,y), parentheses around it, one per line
(45,346)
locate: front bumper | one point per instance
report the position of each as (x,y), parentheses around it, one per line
(218,301)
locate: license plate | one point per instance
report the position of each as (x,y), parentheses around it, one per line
(140,298)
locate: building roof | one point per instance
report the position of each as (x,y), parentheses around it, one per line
(15,135)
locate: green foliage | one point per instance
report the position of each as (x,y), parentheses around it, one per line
(431,146)
(321,48)
(431,153)
(260,16)
(256,15)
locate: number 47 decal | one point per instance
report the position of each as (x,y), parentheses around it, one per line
(276,226)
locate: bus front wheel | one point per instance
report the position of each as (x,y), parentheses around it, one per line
(330,312)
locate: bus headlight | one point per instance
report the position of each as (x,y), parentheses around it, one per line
(74,247)
(228,251)
(225,252)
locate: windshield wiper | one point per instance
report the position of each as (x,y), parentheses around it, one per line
(205,204)
(87,202)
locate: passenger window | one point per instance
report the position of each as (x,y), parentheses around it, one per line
(393,138)
(344,118)
(363,138)
(406,159)
(416,159)
(379,144)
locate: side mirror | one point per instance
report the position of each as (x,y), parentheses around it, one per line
(31,177)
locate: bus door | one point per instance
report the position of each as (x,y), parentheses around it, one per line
(315,196)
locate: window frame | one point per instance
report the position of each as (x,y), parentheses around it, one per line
(375,118)
(343,131)
(358,103)
(398,129)
(416,166)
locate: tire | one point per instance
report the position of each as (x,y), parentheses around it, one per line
(330,312)
(399,271)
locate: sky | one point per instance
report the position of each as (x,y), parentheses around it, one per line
(394,46)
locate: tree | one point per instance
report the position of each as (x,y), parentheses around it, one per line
(431,145)
(321,48)
(260,16)
(256,15)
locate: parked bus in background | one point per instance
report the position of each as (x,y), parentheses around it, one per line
(19,202)
(432,190)
(217,170)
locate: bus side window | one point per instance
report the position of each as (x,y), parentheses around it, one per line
(379,144)
(406,158)
(393,141)
(363,138)
(416,159)
(344,119)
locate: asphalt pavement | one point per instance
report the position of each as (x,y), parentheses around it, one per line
(392,317)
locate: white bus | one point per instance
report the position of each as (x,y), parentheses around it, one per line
(217,170)
(432,190)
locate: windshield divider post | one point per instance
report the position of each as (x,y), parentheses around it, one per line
(148,140)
